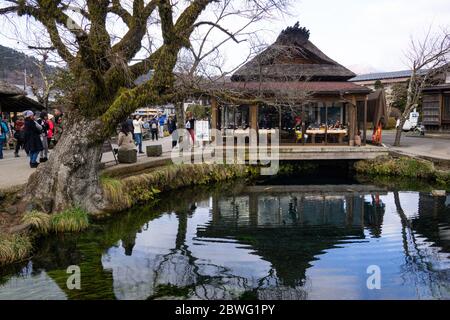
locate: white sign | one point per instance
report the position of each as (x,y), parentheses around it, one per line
(202,130)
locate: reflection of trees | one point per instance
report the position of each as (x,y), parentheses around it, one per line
(417,265)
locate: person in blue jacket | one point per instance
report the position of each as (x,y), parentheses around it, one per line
(4,131)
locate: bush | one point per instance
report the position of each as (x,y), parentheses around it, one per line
(391,124)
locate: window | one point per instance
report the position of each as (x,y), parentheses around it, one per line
(446,111)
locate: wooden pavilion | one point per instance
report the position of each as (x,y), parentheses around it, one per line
(305,95)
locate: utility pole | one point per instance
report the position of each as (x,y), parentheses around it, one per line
(25,80)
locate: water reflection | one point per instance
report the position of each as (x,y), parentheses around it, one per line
(281,243)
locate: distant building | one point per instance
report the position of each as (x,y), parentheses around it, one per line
(387,79)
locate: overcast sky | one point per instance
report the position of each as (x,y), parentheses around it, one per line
(364,35)
(370,33)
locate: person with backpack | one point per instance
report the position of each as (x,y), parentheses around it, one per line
(33,139)
(43,122)
(154,128)
(4,131)
(19,135)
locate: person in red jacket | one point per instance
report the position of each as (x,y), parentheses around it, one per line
(51,129)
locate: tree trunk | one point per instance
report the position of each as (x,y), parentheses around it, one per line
(398,133)
(70,177)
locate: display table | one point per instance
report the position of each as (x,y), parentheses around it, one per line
(341,133)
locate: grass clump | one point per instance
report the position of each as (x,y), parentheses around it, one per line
(70,220)
(114,190)
(39,221)
(14,248)
(401,167)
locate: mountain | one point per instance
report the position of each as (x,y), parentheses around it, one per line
(14,63)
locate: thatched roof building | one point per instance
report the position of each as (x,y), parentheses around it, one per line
(292,57)
(12,99)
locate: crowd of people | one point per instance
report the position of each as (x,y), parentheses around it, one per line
(132,130)
(33,133)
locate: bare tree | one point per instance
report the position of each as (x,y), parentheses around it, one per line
(101,62)
(425,58)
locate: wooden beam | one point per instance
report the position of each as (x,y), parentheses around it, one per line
(326,123)
(365,123)
(214,113)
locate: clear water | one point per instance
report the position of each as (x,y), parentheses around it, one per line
(237,243)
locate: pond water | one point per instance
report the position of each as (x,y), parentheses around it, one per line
(248,242)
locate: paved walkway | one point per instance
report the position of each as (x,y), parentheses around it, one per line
(15,171)
(436,147)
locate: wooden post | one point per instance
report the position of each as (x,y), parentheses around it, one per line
(352,121)
(254,124)
(303,124)
(254,117)
(365,123)
(326,123)
(214,113)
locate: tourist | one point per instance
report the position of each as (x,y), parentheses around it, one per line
(190,125)
(125,139)
(59,129)
(19,135)
(4,131)
(161,120)
(154,124)
(33,141)
(137,129)
(129,121)
(43,122)
(358,142)
(51,129)
(58,114)
(172,127)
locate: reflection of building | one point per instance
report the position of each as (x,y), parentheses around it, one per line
(307,95)
(290,229)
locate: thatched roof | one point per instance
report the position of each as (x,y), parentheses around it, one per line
(12,99)
(292,57)
(7,89)
(315,87)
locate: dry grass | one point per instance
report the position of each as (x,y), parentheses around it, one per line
(39,221)
(115,193)
(14,248)
(70,220)
(143,188)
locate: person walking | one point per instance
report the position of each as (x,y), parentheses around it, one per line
(33,141)
(137,128)
(19,135)
(154,128)
(172,127)
(43,122)
(190,125)
(162,121)
(4,131)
